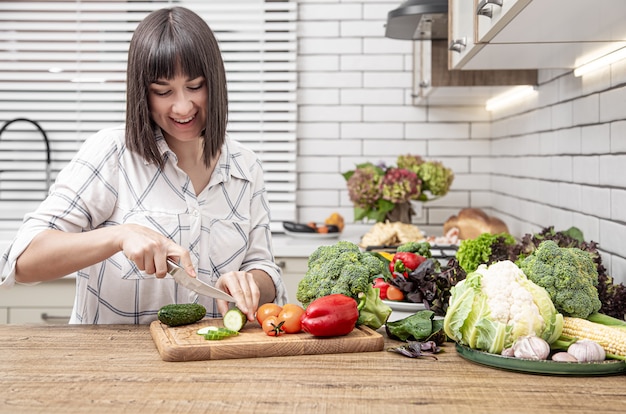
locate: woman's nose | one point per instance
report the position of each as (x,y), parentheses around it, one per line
(182,104)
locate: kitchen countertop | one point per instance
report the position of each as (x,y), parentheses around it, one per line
(289,246)
(113,368)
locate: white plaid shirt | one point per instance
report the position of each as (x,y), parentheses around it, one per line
(226,227)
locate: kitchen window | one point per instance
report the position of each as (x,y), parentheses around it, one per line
(63,65)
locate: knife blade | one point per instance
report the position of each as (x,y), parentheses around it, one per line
(182,277)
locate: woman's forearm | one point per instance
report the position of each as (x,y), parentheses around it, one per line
(53,254)
(266,286)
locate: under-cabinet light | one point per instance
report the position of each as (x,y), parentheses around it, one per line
(600,62)
(509,97)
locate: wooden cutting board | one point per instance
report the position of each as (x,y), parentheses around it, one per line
(182,343)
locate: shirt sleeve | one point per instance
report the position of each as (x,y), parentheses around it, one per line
(82,197)
(260,251)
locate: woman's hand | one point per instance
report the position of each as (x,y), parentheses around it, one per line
(243,287)
(150,250)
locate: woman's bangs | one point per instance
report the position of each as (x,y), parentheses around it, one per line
(171,58)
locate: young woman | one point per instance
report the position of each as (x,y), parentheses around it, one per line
(168,184)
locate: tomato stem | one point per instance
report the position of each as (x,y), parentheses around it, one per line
(278,329)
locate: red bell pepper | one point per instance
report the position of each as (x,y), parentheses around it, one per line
(332,315)
(382,286)
(405,262)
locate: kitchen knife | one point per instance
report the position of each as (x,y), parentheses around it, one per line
(181,276)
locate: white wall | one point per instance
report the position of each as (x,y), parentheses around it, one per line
(558,159)
(354,105)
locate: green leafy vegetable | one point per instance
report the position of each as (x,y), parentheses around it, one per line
(485,249)
(420,326)
(372,311)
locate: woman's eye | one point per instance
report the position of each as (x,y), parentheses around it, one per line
(161,93)
(196,87)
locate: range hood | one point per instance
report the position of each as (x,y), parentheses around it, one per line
(418,20)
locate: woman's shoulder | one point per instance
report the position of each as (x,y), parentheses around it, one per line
(236,149)
(239,160)
(105,144)
(113,133)
(107,138)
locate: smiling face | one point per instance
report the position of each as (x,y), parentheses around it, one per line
(176,80)
(179,107)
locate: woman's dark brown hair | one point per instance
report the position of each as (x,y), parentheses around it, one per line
(165,42)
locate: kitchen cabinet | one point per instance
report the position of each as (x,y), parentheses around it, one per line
(293,269)
(532,34)
(44,303)
(434,84)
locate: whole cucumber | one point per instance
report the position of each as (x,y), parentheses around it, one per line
(181,313)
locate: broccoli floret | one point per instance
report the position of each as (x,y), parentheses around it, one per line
(568,274)
(339,268)
(421,248)
(374,265)
(323,253)
(354,278)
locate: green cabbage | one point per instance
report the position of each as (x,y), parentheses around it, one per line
(495,305)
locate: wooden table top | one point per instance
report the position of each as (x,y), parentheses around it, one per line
(115,369)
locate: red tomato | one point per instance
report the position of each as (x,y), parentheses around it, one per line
(267,309)
(393,293)
(273,326)
(291,315)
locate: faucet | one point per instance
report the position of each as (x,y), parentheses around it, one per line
(45,137)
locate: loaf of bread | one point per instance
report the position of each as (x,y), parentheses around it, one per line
(472,222)
(391,234)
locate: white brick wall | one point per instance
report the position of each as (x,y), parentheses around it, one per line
(559,159)
(571,167)
(354,105)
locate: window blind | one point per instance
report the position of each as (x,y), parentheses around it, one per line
(63,68)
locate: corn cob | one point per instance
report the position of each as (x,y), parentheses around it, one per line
(613,340)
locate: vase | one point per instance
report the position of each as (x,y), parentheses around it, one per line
(401,212)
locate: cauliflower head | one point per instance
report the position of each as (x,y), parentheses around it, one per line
(497,304)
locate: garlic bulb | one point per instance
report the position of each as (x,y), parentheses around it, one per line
(586,350)
(531,347)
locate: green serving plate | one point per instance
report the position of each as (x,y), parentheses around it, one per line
(608,367)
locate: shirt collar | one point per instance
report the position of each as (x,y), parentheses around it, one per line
(227,165)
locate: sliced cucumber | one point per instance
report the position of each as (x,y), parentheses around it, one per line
(219,333)
(235,319)
(206,330)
